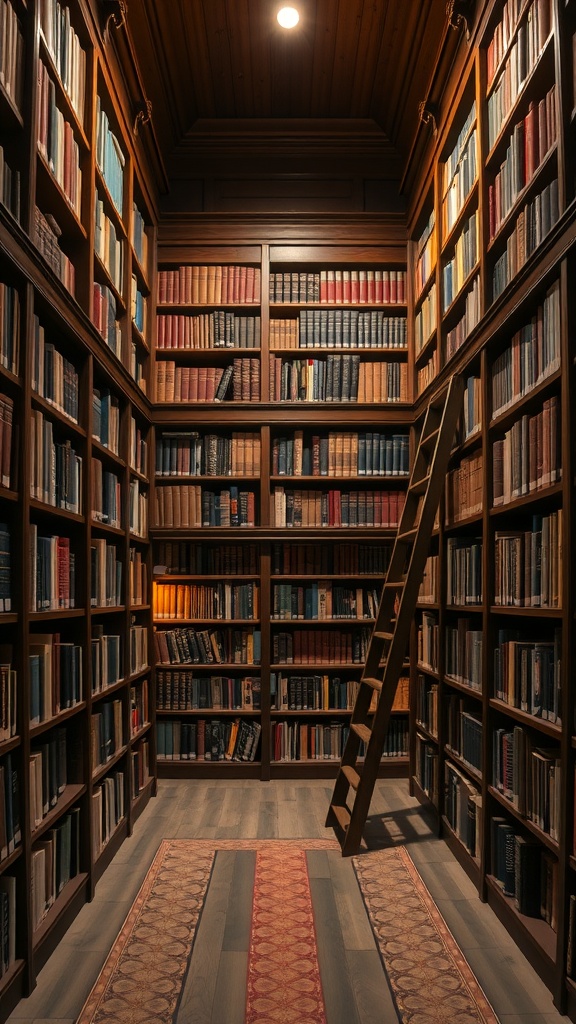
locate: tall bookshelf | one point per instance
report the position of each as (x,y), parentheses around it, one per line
(492,724)
(275,496)
(77,743)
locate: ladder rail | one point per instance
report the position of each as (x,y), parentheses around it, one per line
(389,640)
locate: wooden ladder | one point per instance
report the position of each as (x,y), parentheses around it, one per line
(391,633)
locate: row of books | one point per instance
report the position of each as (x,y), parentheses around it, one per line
(428,592)
(66,51)
(137,306)
(108,810)
(525,870)
(8,918)
(528,457)
(323,600)
(464,653)
(324,741)
(137,447)
(427,704)
(55,859)
(106,418)
(104,317)
(457,269)
(457,335)
(460,173)
(218,329)
(137,509)
(10,190)
(428,636)
(138,577)
(529,776)
(106,491)
(10,823)
(208,739)
(539,12)
(425,320)
(320,646)
(11,54)
(108,246)
(463,732)
(323,693)
(201,285)
(46,236)
(138,644)
(5,568)
(426,254)
(184,558)
(528,564)
(56,141)
(530,141)
(464,489)
(527,673)
(55,671)
(9,327)
(139,707)
(106,658)
(463,808)
(532,355)
(239,382)
(179,505)
(52,572)
(139,237)
(48,773)
(350,328)
(140,766)
(109,157)
(337,286)
(187,646)
(106,733)
(189,453)
(426,768)
(426,373)
(524,52)
(463,571)
(533,223)
(339,453)
(471,420)
(344,558)
(54,377)
(8,694)
(183,691)
(337,378)
(55,467)
(304,508)
(206,601)
(7,429)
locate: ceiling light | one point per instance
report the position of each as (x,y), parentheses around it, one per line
(288,17)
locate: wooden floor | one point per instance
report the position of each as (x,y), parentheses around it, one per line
(355,987)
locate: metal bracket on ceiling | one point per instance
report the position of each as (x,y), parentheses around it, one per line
(143,115)
(428,114)
(459,12)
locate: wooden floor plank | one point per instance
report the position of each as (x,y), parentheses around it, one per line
(338,990)
(237,930)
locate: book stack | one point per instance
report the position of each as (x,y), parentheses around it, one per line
(12,62)
(209,285)
(183,691)
(9,186)
(206,601)
(56,141)
(188,646)
(320,646)
(533,223)
(106,732)
(109,157)
(208,740)
(46,235)
(53,575)
(305,508)
(9,327)
(106,661)
(107,810)
(188,453)
(218,329)
(189,558)
(533,355)
(64,47)
(55,669)
(239,381)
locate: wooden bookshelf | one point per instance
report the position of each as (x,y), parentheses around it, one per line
(70,404)
(493,646)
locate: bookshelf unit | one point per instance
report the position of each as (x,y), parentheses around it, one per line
(77,744)
(492,749)
(258,484)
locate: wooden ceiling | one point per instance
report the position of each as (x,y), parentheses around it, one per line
(354,64)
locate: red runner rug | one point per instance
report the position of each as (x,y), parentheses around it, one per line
(283,972)
(430,978)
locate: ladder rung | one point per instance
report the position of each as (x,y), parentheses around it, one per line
(352,775)
(420,486)
(425,441)
(342,815)
(382,635)
(362,731)
(375,684)
(394,586)
(409,535)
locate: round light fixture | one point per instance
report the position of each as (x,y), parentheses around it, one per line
(288,17)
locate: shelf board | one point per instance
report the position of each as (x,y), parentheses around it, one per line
(331,478)
(107,453)
(333,621)
(219,350)
(52,197)
(38,728)
(458,299)
(182,307)
(538,494)
(107,690)
(519,610)
(504,417)
(459,761)
(181,621)
(456,684)
(427,670)
(71,114)
(211,666)
(551,729)
(61,902)
(525,90)
(301,667)
(116,531)
(102,271)
(110,207)
(542,837)
(310,351)
(463,212)
(11,115)
(536,930)
(57,414)
(427,350)
(425,733)
(57,613)
(228,478)
(209,712)
(102,769)
(107,609)
(72,793)
(173,578)
(138,475)
(528,188)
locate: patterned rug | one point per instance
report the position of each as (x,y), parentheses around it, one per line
(431,980)
(142,979)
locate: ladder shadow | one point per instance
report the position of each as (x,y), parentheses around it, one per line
(403,827)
